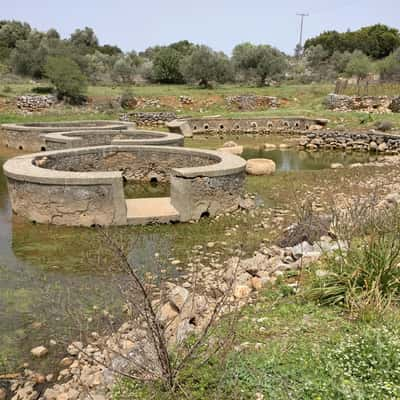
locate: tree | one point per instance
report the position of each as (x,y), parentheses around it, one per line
(68,79)
(85,40)
(389,67)
(166,66)
(109,50)
(204,65)
(125,68)
(29,56)
(259,62)
(359,65)
(99,66)
(10,33)
(376,41)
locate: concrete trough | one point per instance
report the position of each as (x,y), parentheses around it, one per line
(28,136)
(84,186)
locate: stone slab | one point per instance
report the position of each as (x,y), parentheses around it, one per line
(151,210)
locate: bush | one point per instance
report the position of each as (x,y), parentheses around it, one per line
(68,79)
(7,89)
(128,99)
(42,89)
(364,275)
(384,126)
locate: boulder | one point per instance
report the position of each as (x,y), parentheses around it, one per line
(336,165)
(178,296)
(241,291)
(237,150)
(356,165)
(168,312)
(372,146)
(382,147)
(231,143)
(269,146)
(39,351)
(260,166)
(74,348)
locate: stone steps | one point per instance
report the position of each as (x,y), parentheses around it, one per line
(150,211)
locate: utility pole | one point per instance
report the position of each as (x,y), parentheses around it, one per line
(300,45)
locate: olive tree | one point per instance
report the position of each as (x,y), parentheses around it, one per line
(68,79)
(204,65)
(259,62)
(359,66)
(166,66)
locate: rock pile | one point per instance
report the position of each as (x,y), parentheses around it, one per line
(35,103)
(252,102)
(371,104)
(148,118)
(352,141)
(185,100)
(395,105)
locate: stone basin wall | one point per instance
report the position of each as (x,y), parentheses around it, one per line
(84,186)
(59,204)
(88,138)
(352,141)
(217,126)
(29,137)
(134,165)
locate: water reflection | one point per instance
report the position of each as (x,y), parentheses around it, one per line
(293,160)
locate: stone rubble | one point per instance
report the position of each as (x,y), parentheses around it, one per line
(371,104)
(252,102)
(383,143)
(148,118)
(240,278)
(35,103)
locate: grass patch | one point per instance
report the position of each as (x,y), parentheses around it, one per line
(288,349)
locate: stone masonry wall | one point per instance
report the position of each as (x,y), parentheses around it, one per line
(135,166)
(63,205)
(148,118)
(196,197)
(352,141)
(372,104)
(219,126)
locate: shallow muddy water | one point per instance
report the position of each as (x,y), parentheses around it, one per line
(294,160)
(54,280)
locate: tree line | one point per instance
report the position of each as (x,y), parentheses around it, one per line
(72,63)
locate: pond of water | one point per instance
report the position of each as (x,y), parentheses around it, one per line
(295,160)
(51,276)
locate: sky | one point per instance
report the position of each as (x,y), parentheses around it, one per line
(221,24)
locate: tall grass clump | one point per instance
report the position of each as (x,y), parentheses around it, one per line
(363,274)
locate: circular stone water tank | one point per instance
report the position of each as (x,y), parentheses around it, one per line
(28,137)
(84,186)
(95,137)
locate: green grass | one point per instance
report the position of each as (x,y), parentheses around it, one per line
(293,350)
(296,99)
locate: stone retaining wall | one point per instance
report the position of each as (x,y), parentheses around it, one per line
(260,125)
(352,141)
(252,102)
(74,139)
(35,103)
(28,137)
(372,104)
(84,186)
(148,118)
